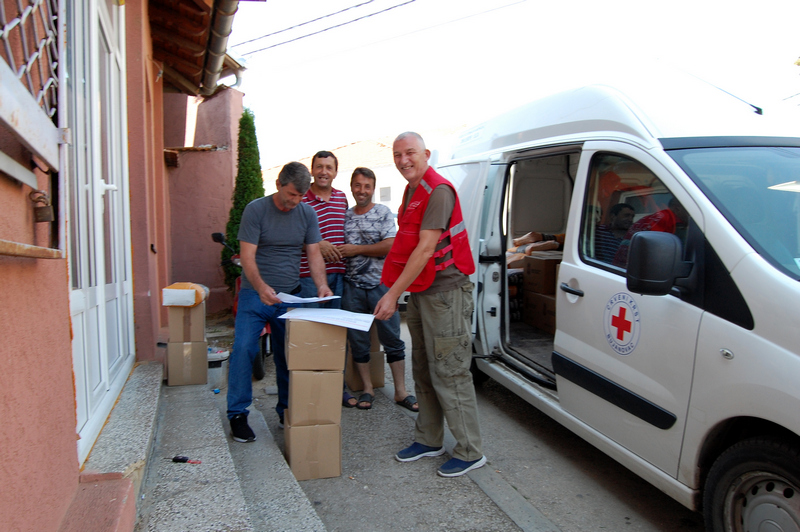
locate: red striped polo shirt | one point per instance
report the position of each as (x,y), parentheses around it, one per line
(331,225)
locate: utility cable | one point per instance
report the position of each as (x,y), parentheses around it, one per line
(302,24)
(329,28)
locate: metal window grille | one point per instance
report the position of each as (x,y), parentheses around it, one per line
(30,47)
(28,102)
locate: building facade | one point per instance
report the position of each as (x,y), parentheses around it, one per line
(87,203)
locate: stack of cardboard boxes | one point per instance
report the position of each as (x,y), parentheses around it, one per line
(187,350)
(539,288)
(315,354)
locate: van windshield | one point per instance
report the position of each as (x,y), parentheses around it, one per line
(758,190)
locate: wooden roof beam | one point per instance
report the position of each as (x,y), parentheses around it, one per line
(180,81)
(169,18)
(164,34)
(186,67)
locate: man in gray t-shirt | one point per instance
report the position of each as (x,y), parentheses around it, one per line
(272,233)
(368,234)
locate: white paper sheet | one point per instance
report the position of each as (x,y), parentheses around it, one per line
(342,318)
(288,298)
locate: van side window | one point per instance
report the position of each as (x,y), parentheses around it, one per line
(625,197)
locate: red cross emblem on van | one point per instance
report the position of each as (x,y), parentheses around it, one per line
(621,323)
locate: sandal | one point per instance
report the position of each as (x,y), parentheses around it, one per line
(365,398)
(346,398)
(409,403)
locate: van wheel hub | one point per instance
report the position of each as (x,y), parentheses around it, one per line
(763,503)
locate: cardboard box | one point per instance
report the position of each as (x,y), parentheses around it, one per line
(547,322)
(377,365)
(314,451)
(531,307)
(187,324)
(315,398)
(377,369)
(539,311)
(312,346)
(187,363)
(539,273)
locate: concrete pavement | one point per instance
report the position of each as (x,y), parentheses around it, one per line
(243,487)
(236,487)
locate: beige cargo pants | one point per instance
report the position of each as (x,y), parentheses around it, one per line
(441,355)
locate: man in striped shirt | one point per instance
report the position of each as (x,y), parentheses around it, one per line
(330,205)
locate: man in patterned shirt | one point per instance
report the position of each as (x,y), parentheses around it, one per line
(369,232)
(330,205)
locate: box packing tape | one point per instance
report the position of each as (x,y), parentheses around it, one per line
(187,323)
(315,401)
(187,361)
(312,457)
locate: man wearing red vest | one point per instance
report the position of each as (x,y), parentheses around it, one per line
(431,258)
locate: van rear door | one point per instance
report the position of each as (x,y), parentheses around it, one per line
(624,362)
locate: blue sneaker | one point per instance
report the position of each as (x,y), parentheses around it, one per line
(455,467)
(417,451)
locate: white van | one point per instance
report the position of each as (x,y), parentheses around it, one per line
(678,355)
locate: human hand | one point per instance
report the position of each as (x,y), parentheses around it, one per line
(268,295)
(386,307)
(348,250)
(324,291)
(329,252)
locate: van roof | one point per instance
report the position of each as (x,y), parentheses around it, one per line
(643,112)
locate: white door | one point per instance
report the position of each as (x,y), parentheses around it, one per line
(624,361)
(470,182)
(98,213)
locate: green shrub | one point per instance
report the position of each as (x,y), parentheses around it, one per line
(249,186)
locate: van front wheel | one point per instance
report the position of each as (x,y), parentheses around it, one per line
(754,485)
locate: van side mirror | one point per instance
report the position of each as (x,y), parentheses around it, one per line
(655,261)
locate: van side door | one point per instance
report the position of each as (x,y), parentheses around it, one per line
(624,361)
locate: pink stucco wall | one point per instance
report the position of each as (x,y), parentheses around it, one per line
(201,190)
(39,472)
(148,188)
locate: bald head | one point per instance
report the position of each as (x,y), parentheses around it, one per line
(411,156)
(411,135)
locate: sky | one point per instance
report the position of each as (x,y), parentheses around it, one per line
(438,65)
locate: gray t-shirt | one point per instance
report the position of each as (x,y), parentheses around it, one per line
(280,237)
(373,226)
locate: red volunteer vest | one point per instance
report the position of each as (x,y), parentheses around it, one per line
(407,238)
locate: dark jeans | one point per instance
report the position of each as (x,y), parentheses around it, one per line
(251,317)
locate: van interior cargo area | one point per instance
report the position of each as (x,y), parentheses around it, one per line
(538,194)
(534,346)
